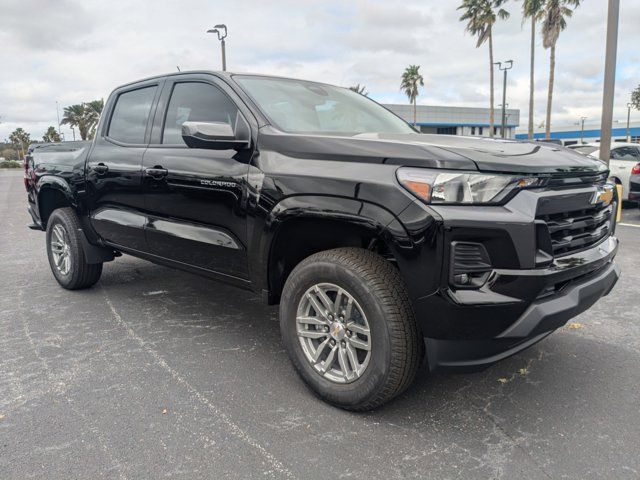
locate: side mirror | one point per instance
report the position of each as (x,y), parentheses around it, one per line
(217,135)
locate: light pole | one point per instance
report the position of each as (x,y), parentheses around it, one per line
(508,65)
(218,29)
(629,122)
(609,80)
(58,115)
(582,119)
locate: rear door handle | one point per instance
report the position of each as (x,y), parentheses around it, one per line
(100,168)
(156,172)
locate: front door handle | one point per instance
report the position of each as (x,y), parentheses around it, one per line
(100,168)
(156,172)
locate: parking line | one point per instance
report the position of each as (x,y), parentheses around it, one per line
(629,225)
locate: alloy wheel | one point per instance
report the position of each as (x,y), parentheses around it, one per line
(334,333)
(60,249)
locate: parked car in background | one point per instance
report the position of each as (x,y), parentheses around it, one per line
(584,148)
(624,157)
(634,184)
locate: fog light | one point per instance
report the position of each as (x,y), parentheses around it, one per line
(470,265)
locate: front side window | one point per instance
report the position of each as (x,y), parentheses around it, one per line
(297,106)
(130,115)
(195,102)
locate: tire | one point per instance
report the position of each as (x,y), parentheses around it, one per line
(73,273)
(379,300)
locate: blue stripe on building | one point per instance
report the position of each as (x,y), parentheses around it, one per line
(445,124)
(616,132)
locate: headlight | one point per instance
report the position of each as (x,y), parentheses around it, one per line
(462,187)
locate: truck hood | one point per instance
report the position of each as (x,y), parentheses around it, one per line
(434,151)
(499,155)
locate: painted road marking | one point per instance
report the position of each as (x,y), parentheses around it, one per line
(629,225)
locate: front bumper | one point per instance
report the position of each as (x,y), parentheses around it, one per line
(526,296)
(540,319)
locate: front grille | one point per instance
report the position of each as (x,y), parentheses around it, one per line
(577,229)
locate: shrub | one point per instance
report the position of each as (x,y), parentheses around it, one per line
(10,164)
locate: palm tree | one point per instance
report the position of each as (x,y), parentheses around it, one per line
(480,16)
(20,139)
(635,98)
(84,116)
(93,111)
(76,116)
(51,135)
(411,79)
(532,9)
(361,89)
(554,20)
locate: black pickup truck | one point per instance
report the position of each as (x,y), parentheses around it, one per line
(385,248)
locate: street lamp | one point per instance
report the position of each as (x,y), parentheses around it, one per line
(58,115)
(629,122)
(221,31)
(508,65)
(582,119)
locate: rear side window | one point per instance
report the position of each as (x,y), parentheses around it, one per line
(195,102)
(130,115)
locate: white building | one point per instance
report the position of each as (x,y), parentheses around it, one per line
(457,120)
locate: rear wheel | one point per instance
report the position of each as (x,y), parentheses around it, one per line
(349,329)
(66,254)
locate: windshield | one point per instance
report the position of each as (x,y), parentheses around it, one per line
(297,106)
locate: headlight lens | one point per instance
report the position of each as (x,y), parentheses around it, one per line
(462,187)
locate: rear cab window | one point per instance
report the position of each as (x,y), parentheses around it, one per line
(130,115)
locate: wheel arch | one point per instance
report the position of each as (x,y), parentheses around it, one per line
(53,193)
(303,225)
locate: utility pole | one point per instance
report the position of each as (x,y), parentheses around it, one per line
(629,122)
(609,80)
(507,66)
(58,115)
(218,29)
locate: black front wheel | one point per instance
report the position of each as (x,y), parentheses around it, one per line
(349,329)
(66,254)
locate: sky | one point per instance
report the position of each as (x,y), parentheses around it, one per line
(70,51)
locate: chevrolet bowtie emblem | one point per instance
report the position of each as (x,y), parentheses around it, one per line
(603,195)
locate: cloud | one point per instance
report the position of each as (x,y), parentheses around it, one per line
(72,51)
(44,25)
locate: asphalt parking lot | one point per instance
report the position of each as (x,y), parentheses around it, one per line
(157,373)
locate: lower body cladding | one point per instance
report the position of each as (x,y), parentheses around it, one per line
(513,274)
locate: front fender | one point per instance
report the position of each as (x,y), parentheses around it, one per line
(407,248)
